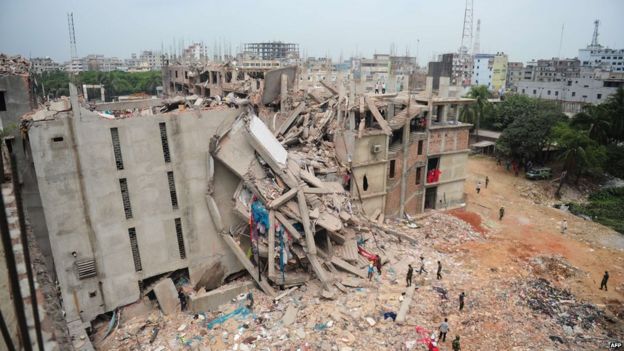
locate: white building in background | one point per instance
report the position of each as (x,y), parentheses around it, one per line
(45,64)
(490,70)
(601,57)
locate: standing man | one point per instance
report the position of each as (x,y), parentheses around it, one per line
(377,88)
(564,226)
(501,213)
(439,270)
(183,299)
(478,187)
(378,263)
(605,279)
(371,269)
(444,328)
(456,346)
(462,296)
(383,88)
(422,265)
(487,181)
(250,301)
(408,278)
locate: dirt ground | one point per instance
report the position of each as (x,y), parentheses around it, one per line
(528,287)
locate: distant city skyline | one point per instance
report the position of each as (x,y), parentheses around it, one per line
(524,30)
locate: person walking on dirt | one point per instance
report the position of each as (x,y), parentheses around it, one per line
(408,278)
(564,226)
(439,276)
(501,213)
(444,328)
(487,181)
(456,346)
(462,296)
(422,265)
(605,279)
(478,187)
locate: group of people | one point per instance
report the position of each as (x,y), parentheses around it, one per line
(444,327)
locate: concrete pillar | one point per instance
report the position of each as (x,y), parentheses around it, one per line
(444,87)
(390,112)
(457,112)
(445,109)
(84,92)
(283,92)
(429,86)
(102,93)
(391,85)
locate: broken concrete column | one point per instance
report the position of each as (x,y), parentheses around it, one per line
(167,296)
(213,208)
(405,305)
(284,92)
(211,300)
(429,86)
(443,91)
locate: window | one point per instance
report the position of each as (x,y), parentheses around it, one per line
(180,236)
(573,93)
(557,93)
(534,91)
(418,175)
(134,246)
(391,169)
(185,74)
(420,147)
(549,92)
(125,197)
(172,191)
(164,141)
(365,183)
(117,148)
(2,102)
(57,139)
(598,96)
(176,74)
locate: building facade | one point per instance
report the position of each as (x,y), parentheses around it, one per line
(604,58)
(272,50)
(515,73)
(490,70)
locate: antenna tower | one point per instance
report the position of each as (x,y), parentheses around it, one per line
(594,42)
(466,41)
(72,36)
(477,44)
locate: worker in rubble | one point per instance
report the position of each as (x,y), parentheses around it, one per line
(501,213)
(383,88)
(377,88)
(605,279)
(456,346)
(462,296)
(478,187)
(250,301)
(439,276)
(378,263)
(564,226)
(444,328)
(183,299)
(408,278)
(422,265)
(371,269)
(487,181)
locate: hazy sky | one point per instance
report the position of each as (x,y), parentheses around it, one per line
(523,29)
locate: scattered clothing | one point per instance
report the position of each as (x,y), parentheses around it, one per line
(605,279)
(390,315)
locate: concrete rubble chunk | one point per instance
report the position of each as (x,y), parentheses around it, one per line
(167,296)
(211,300)
(290,316)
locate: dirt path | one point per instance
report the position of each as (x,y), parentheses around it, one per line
(529,230)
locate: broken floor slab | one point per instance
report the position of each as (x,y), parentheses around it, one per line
(211,300)
(167,296)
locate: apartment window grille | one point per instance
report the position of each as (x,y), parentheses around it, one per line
(117,148)
(172,190)
(125,197)
(134,246)
(165,141)
(180,236)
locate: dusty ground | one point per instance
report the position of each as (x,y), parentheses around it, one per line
(496,263)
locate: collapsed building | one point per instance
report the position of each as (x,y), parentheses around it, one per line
(245,172)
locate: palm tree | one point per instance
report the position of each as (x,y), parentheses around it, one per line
(481,94)
(615,108)
(595,120)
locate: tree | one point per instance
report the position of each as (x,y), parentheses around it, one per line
(526,137)
(581,154)
(595,120)
(481,94)
(615,109)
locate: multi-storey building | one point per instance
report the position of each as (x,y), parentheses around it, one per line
(45,64)
(272,50)
(490,70)
(557,70)
(515,73)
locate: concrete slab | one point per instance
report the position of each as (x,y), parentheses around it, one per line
(167,296)
(211,300)
(290,316)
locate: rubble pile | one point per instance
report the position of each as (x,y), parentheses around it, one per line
(581,321)
(13,64)
(554,267)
